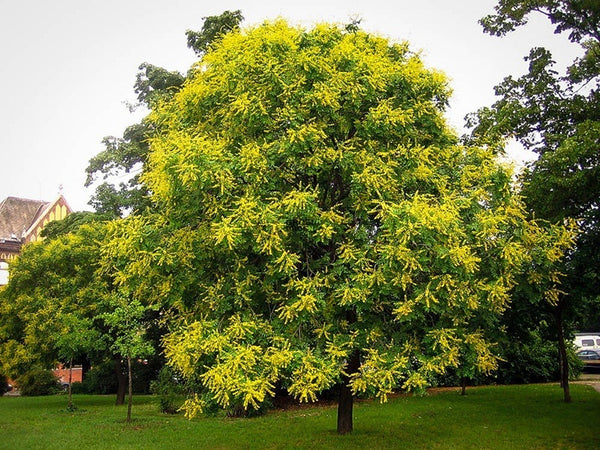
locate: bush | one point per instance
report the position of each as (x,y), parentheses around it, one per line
(38,382)
(532,361)
(169,391)
(144,373)
(78,388)
(100,379)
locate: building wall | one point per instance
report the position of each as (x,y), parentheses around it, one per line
(9,250)
(62,373)
(58,212)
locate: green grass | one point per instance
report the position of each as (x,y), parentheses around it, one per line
(491,417)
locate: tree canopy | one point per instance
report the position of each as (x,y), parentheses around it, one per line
(317,223)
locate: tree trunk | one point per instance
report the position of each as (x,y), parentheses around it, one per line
(129,399)
(463,385)
(86,365)
(70,407)
(564,362)
(121,382)
(346,400)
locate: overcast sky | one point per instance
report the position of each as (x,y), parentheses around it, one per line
(68,67)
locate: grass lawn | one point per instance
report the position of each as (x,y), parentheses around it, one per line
(532,416)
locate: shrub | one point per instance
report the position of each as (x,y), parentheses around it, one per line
(78,388)
(169,391)
(100,379)
(532,361)
(144,373)
(38,382)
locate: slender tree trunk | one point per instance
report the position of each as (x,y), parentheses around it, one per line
(463,385)
(121,382)
(346,400)
(564,362)
(70,383)
(129,399)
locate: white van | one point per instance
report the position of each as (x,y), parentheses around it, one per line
(587,341)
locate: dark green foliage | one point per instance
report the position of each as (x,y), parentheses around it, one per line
(100,379)
(154,83)
(580,18)
(121,156)
(558,117)
(169,390)
(71,223)
(213,28)
(38,382)
(534,361)
(144,372)
(78,388)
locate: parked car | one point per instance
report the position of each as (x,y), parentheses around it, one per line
(590,358)
(587,341)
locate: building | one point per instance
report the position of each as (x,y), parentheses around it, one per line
(21,221)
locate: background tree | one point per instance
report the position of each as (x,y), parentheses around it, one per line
(50,281)
(56,284)
(333,231)
(213,29)
(558,117)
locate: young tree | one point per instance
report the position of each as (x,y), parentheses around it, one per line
(77,337)
(126,322)
(558,117)
(317,222)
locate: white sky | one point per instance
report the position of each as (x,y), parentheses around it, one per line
(67,67)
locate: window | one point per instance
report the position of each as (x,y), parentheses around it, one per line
(587,342)
(3,273)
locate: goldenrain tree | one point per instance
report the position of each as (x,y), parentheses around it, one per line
(318,224)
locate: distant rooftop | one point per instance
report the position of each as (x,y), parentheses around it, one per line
(17,215)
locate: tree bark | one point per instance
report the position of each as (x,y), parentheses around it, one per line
(70,407)
(463,385)
(564,362)
(121,382)
(345,407)
(346,400)
(129,400)
(86,365)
